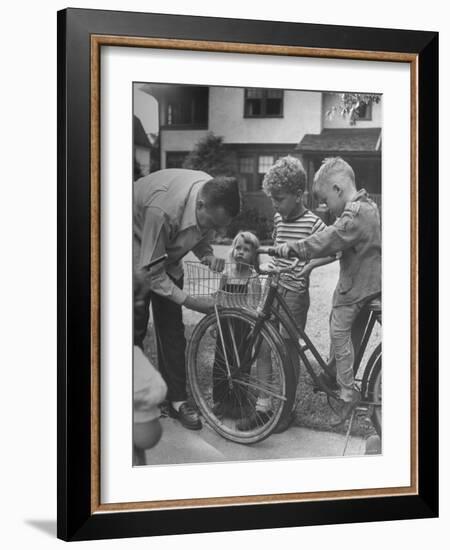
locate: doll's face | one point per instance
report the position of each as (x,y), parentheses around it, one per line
(243,252)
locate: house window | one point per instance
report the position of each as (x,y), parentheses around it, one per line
(175,159)
(260,102)
(247,172)
(188,107)
(252,168)
(264,163)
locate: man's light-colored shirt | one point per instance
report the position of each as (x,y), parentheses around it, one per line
(165,222)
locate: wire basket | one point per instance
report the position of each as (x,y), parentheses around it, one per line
(241,288)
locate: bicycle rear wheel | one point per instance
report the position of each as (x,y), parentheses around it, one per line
(224,369)
(375,388)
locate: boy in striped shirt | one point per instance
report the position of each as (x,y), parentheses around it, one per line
(285,184)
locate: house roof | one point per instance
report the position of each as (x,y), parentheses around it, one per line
(139,135)
(349,140)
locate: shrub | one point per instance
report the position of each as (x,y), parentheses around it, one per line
(210,155)
(250,219)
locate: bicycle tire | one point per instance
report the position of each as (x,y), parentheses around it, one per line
(374,387)
(205,352)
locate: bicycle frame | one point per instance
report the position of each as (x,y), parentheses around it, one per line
(271,307)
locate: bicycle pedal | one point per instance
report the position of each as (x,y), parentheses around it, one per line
(318,389)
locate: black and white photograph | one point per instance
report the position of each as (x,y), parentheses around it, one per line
(256,273)
(245,227)
(225,275)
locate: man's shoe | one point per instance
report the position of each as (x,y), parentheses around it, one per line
(347,408)
(187,416)
(256,419)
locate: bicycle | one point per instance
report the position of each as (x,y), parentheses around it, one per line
(249,324)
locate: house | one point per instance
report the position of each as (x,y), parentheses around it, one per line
(260,125)
(142,148)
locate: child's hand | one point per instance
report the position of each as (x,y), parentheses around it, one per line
(283,251)
(305,272)
(214,263)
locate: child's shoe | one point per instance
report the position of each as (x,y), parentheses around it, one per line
(347,408)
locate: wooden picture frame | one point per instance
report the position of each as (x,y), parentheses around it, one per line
(81,35)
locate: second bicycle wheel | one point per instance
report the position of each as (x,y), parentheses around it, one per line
(242,383)
(372,387)
(376,394)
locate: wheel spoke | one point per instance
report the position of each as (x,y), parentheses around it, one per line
(260,387)
(233,339)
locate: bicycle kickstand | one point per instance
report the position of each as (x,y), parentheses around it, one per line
(349,430)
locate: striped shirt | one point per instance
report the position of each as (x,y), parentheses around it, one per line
(295,230)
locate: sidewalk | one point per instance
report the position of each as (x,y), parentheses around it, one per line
(180,446)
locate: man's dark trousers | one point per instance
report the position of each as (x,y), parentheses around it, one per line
(170,340)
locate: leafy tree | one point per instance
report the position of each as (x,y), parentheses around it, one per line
(210,155)
(351,105)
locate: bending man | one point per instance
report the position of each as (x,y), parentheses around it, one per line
(176,211)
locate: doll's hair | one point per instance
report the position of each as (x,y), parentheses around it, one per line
(249,238)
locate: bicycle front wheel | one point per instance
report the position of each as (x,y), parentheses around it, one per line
(234,369)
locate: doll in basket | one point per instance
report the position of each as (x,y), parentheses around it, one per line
(239,284)
(239,287)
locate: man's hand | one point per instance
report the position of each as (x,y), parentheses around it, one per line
(202,304)
(214,263)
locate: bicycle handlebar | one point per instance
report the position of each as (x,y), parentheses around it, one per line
(271,251)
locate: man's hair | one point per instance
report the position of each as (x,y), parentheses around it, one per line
(335,166)
(222,191)
(287,174)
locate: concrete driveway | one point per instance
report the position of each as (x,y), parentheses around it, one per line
(180,446)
